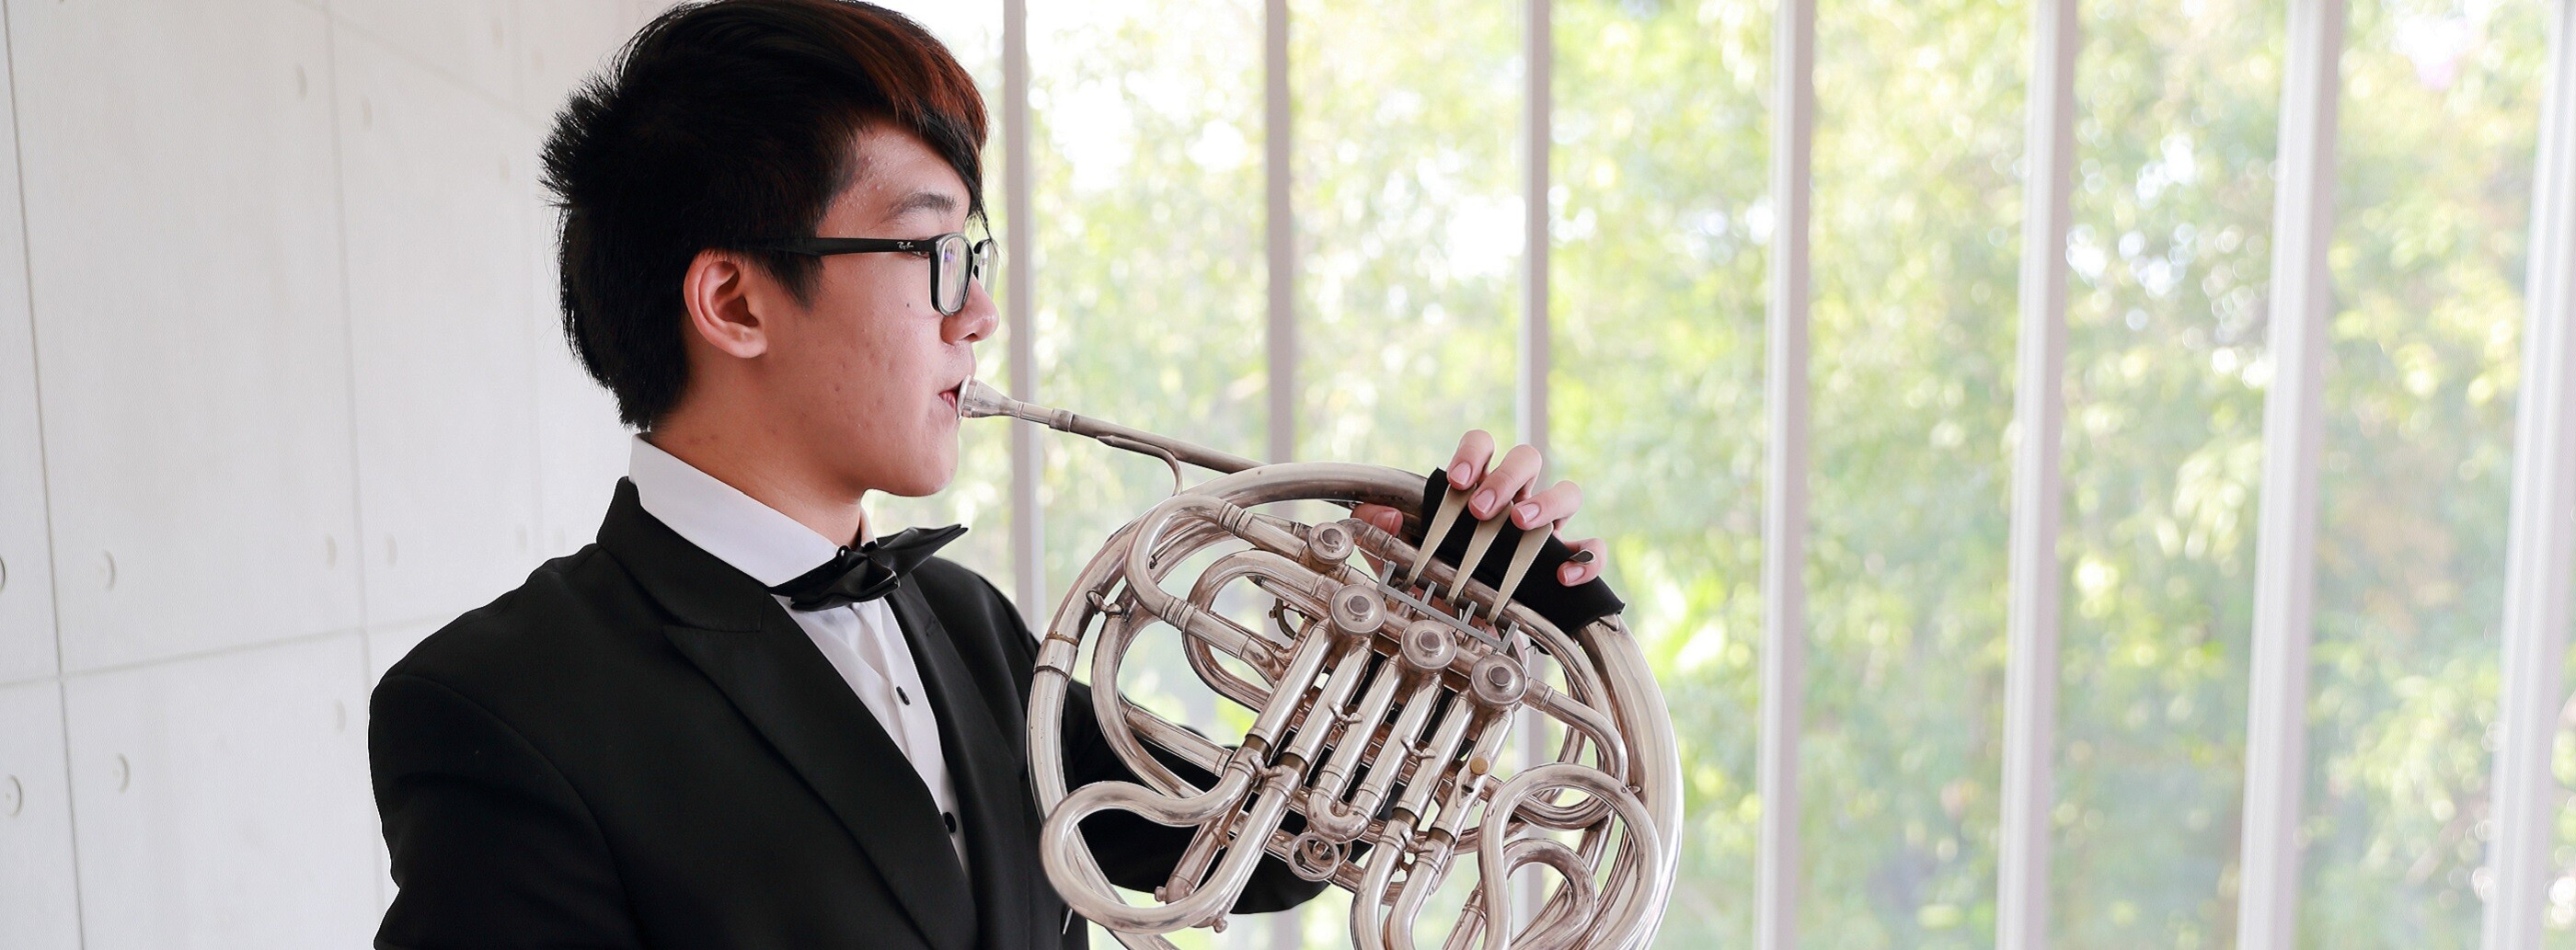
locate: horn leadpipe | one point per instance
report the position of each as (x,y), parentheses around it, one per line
(976,400)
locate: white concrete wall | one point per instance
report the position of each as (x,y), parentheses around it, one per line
(281,391)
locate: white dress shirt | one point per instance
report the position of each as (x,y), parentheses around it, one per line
(862,640)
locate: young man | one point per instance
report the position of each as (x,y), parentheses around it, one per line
(720,726)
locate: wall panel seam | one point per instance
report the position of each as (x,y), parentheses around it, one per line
(35,353)
(31,680)
(349,358)
(111,669)
(44,471)
(433,67)
(348,340)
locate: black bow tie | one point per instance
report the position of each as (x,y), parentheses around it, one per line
(866,572)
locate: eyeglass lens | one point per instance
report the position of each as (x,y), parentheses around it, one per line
(948,290)
(958,265)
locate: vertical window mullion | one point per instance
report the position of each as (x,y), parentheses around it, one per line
(1280,233)
(1784,509)
(2285,548)
(2540,551)
(1287,931)
(2030,702)
(1539,54)
(1028,566)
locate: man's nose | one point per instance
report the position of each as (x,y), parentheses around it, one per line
(975,321)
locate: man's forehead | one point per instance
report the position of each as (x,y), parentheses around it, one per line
(894,175)
(932,201)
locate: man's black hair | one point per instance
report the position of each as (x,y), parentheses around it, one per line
(722,124)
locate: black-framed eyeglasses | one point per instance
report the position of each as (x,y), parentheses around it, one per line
(953,261)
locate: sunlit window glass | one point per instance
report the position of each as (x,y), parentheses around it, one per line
(1408,207)
(2168,257)
(1656,286)
(2434,168)
(1149,274)
(1919,123)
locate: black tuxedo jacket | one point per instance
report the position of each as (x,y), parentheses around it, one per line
(639,748)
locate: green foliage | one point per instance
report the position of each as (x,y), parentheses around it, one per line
(1408,212)
(1916,244)
(2170,252)
(1656,296)
(2438,136)
(1147,129)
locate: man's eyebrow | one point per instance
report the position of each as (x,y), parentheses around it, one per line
(923,200)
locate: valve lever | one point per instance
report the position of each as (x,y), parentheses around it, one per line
(1531,542)
(1486,532)
(1452,501)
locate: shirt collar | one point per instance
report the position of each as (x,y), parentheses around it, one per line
(738,529)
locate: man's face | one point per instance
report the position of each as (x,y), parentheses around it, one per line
(866,366)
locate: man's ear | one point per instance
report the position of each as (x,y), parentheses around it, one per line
(719,292)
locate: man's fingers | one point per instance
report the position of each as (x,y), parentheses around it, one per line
(1474,450)
(1504,483)
(1386,519)
(1548,507)
(1589,556)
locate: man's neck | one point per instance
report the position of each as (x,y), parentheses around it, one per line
(769,473)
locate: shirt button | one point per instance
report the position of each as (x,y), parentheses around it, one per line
(950,818)
(899,694)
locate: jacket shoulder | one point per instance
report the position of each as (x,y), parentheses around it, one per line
(562,607)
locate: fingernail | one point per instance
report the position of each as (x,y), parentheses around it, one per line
(1462,475)
(1569,575)
(1581,557)
(1526,513)
(1483,503)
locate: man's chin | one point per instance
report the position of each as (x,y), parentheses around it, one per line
(926,481)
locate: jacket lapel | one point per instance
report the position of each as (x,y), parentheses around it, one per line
(990,774)
(735,633)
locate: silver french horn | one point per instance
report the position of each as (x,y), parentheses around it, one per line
(1382,700)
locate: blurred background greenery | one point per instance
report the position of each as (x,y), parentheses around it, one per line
(1149,300)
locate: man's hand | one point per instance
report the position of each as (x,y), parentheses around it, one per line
(1509,483)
